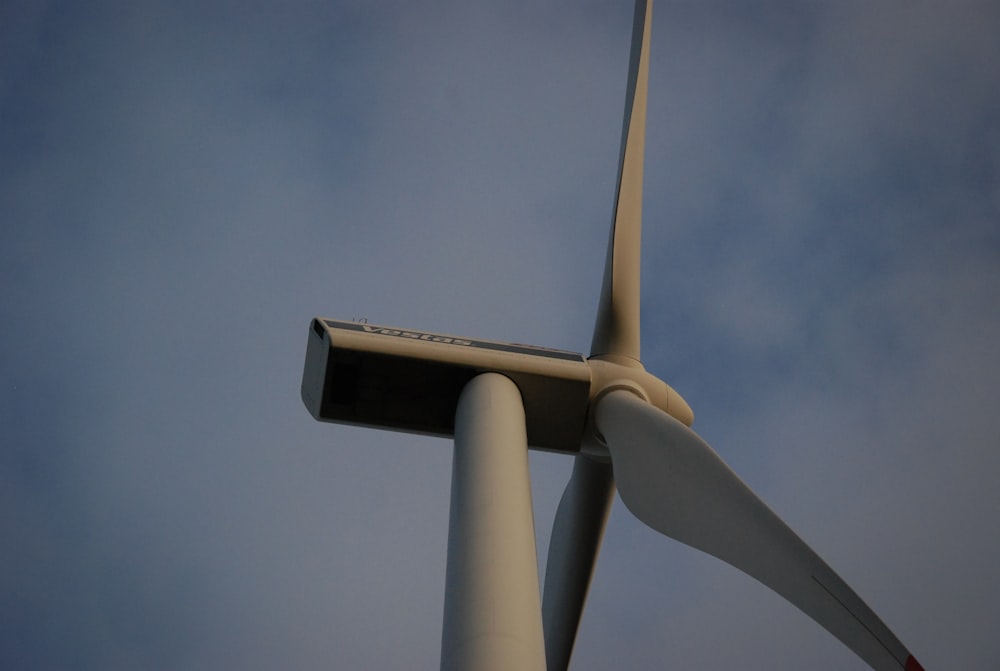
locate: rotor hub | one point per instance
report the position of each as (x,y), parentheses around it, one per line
(608,372)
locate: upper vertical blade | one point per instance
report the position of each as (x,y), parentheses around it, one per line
(616,331)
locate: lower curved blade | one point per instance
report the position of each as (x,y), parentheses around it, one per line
(573,549)
(674,482)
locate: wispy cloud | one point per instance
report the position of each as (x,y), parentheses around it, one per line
(183,187)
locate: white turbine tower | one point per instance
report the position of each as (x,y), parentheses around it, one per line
(625,428)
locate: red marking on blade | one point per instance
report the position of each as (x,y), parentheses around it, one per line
(912,664)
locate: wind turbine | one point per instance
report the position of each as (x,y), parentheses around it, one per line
(626,428)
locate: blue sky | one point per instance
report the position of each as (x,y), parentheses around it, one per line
(183,186)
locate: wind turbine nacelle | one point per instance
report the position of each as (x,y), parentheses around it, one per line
(367,375)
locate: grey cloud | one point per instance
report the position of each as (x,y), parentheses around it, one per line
(184,187)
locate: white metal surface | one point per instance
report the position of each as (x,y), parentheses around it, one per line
(492,612)
(674,482)
(616,331)
(573,550)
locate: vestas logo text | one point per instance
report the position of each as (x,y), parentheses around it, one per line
(416,336)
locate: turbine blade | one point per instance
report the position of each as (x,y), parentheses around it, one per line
(674,482)
(616,331)
(573,549)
